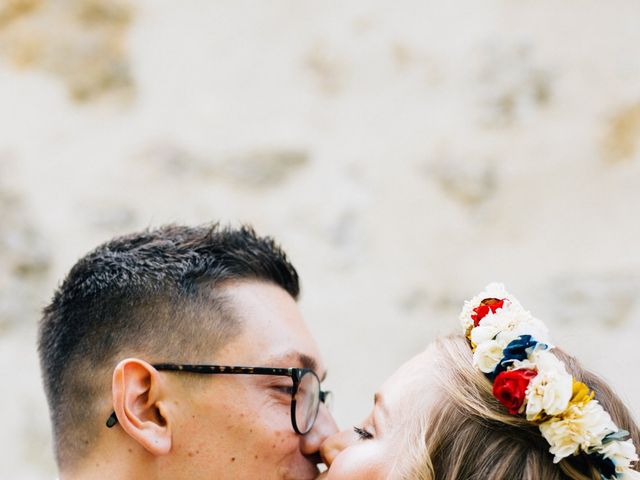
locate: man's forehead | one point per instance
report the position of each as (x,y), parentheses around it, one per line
(273,330)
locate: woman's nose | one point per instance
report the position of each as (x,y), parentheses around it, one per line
(334,444)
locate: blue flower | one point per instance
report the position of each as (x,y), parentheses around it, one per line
(605,466)
(517,350)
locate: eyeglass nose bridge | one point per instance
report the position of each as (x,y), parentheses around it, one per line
(326,397)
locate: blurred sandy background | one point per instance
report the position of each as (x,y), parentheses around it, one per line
(405,153)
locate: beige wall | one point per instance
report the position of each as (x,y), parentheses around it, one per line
(405,153)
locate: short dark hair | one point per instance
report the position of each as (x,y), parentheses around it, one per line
(151,293)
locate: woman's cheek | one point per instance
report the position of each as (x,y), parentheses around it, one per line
(367,460)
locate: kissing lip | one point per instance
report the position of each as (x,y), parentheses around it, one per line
(313,477)
(306,474)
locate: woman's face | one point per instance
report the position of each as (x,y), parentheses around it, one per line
(371,450)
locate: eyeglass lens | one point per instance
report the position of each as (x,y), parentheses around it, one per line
(307,401)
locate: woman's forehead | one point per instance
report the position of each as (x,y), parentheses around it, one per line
(413,380)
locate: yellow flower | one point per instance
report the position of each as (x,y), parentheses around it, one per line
(581,394)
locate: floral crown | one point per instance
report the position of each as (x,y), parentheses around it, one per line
(512,348)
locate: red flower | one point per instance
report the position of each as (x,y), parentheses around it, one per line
(486,305)
(509,388)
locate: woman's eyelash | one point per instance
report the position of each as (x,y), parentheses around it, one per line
(362,433)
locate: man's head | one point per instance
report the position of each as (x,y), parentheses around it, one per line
(183,295)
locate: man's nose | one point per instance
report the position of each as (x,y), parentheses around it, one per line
(324,427)
(333,445)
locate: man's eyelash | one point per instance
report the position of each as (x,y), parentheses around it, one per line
(362,433)
(288,390)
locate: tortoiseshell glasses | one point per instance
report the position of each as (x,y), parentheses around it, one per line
(306,394)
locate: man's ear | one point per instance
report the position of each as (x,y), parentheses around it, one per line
(137,390)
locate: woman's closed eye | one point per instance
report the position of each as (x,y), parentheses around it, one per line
(362,433)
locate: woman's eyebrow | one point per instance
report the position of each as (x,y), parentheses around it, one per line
(378,401)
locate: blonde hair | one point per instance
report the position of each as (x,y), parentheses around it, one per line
(469,435)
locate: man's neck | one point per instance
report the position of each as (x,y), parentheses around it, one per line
(110,467)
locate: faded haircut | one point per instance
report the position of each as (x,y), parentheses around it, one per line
(152,294)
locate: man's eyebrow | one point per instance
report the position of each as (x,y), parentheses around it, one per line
(308,362)
(312,364)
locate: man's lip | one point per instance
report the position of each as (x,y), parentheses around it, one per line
(314,477)
(310,474)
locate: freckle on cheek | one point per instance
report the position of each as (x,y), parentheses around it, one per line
(233,459)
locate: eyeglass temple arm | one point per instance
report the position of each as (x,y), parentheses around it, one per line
(113,419)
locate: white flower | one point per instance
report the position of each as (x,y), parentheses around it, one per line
(492,324)
(493,290)
(549,391)
(526,324)
(509,323)
(488,355)
(627,474)
(621,453)
(580,427)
